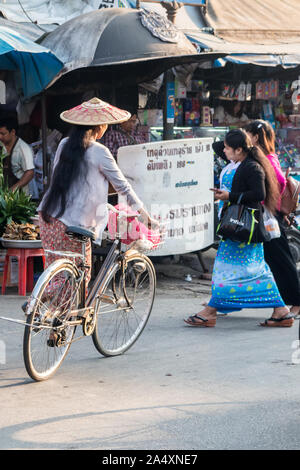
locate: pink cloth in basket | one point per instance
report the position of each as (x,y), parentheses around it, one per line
(135,229)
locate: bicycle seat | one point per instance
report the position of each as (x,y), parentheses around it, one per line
(80,233)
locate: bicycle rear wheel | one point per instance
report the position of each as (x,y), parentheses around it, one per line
(48,338)
(124,306)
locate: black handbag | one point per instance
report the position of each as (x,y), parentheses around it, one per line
(241,223)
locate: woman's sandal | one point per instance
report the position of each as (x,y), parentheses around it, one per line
(196,320)
(296,315)
(283,322)
(205,304)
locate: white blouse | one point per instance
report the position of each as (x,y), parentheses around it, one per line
(86,204)
(223,117)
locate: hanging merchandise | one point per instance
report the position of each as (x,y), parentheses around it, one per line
(259,91)
(274,88)
(268,114)
(195,85)
(248,91)
(192,118)
(178,113)
(296,92)
(180,89)
(232,92)
(170,92)
(241,91)
(206,116)
(195,104)
(205,93)
(236,93)
(288,154)
(266,90)
(187,104)
(225,91)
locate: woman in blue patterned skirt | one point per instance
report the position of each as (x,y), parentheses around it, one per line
(241,277)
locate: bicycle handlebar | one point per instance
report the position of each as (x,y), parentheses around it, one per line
(121,213)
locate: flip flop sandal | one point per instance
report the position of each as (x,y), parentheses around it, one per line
(296,315)
(205,304)
(284,322)
(204,322)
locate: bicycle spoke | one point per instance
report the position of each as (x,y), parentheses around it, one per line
(47,341)
(119,327)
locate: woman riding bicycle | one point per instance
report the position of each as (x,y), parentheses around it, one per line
(78,192)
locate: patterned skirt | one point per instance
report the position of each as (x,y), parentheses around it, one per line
(53,236)
(242,279)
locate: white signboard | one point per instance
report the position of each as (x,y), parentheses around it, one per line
(173,178)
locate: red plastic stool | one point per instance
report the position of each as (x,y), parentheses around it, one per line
(25,272)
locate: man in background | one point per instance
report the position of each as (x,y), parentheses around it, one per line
(18,165)
(122,135)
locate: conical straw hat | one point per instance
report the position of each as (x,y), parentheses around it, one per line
(95,112)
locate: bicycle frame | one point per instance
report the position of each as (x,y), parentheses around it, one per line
(108,262)
(86,304)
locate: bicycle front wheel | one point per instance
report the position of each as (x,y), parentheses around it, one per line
(124,306)
(47,336)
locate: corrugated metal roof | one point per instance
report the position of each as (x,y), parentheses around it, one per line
(216,44)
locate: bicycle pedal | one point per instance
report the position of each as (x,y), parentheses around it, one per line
(36,328)
(51,343)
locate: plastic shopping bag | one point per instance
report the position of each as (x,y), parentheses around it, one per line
(132,230)
(271,225)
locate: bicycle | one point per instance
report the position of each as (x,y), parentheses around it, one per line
(114,312)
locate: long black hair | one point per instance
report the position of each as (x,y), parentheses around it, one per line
(238,138)
(265,134)
(229,108)
(70,168)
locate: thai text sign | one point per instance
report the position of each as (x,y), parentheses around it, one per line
(173,178)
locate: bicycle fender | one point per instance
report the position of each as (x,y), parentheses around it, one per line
(44,277)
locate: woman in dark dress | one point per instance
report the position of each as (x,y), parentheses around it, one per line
(277,251)
(241,277)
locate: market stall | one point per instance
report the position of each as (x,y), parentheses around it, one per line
(31,67)
(204,106)
(116,59)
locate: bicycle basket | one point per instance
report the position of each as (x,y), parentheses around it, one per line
(131,229)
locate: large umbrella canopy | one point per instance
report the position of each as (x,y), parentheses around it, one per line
(35,66)
(119,44)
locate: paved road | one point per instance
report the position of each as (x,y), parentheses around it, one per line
(231,387)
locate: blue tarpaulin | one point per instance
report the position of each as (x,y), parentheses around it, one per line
(35,66)
(286,61)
